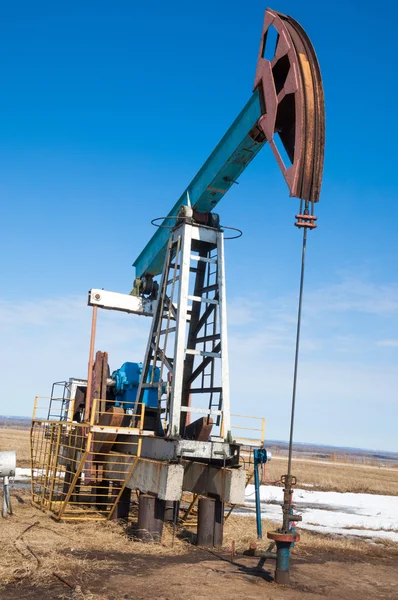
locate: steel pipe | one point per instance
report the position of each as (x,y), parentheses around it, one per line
(210,522)
(150,518)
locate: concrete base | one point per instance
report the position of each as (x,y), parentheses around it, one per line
(150,476)
(227,484)
(160,478)
(216,450)
(168,480)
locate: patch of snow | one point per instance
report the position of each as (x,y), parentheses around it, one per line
(361,515)
(366,533)
(22,474)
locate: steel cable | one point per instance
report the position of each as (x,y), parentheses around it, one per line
(304,248)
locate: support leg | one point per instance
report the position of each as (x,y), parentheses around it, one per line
(171,511)
(206,519)
(218,523)
(123,505)
(210,522)
(101,491)
(150,518)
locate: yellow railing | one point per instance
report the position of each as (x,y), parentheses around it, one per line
(258,431)
(255,440)
(48,408)
(79,470)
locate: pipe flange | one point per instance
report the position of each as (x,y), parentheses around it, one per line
(281,536)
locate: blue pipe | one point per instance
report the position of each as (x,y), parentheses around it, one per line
(283,556)
(260,457)
(282,562)
(258,499)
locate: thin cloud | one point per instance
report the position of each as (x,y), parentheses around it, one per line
(41,312)
(388,343)
(354,295)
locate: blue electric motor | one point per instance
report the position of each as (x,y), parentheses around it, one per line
(127,379)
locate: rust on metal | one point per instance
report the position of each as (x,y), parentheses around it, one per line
(200,429)
(97,390)
(112,417)
(90,364)
(289,80)
(306,221)
(283,536)
(100,374)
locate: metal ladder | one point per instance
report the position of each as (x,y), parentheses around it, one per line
(188,333)
(59,402)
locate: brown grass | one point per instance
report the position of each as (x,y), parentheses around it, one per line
(18,440)
(243,531)
(75,550)
(328,476)
(67,548)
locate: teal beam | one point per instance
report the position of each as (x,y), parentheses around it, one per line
(223,167)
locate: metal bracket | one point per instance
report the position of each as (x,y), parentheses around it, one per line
(122,302)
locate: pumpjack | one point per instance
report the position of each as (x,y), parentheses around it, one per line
(163,426)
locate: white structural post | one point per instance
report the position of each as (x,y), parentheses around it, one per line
(179,348)
(223,336)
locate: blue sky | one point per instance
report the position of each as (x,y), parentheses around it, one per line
(106,113)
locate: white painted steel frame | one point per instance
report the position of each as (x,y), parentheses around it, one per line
(142,306)
(226,424)
(187,234)
(185,231)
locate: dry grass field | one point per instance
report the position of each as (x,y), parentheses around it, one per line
(102,560)
(329,476)
(49,546)
(18,440)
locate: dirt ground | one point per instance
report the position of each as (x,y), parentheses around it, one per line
(42,558)
(199,575)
